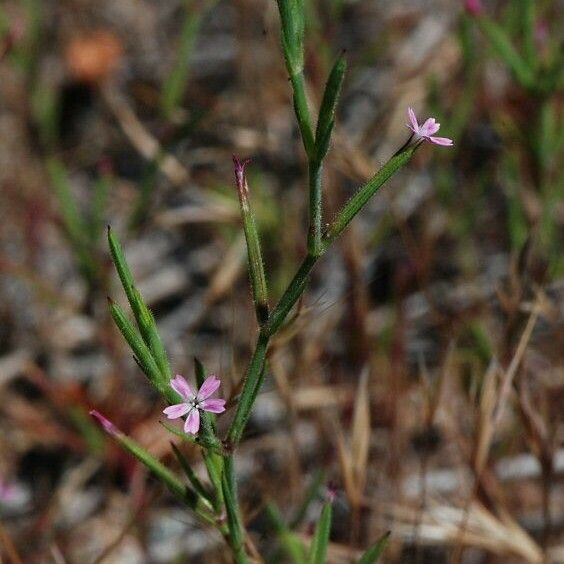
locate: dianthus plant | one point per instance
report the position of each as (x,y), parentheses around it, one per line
(216,503)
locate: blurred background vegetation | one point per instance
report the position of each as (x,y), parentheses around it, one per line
(422,376)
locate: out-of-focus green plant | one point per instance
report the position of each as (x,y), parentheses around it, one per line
(537,65)
(83,230)
(174,85)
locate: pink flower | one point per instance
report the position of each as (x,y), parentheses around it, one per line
(427,130)
(194,402)
(473,7)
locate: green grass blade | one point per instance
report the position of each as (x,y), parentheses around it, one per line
(318,549)
(72,219)
(175,84)
(76,228)
(375,551)
(501,44)
(310,494)
(291,544)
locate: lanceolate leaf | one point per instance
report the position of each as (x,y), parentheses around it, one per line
(164,475)
(328,107)
(143,316)
(142,353)
(190,474)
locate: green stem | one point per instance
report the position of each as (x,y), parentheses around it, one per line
(302,112)
(235,523)
(315,208)
(256,369)
(252,377)
(213,462)
(291,295)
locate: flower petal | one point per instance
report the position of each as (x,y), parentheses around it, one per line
(210,385)
(176,411)
(192,424)
(445,141)
(413,119)
(213,405)
(182,388)
(429,127)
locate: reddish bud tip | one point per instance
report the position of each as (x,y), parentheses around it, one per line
(106,424)
(473,7)
(331,492)
(239,166)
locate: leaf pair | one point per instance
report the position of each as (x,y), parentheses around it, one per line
(144,340)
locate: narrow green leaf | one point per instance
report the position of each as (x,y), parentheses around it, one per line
(142,353)
(148,327)
(143,316)
(318,549)
(190,474)
(161,472)
(214,466)
(118,258)
(375,551)
(310,494)
(327,111)
(506,52)
(363,194)
(254,253)
(215,446)
(291,544)
(179,433)
(301,109)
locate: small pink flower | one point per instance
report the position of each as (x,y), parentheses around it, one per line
(194,402)
(427,130)
(473,7)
